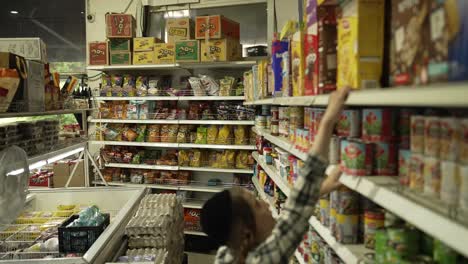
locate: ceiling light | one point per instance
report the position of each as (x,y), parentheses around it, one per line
(82,12)
(14,12)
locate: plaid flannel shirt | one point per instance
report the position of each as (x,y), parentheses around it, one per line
(292,223)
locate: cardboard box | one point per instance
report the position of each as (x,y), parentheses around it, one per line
(458,28)
(179,29)
(62,171)
(216,27)
(280,51)
(98,53)
(187,51)
(29,48)
(120,58)
(145,44)
(360,44)
(12,61)
(120,45)
(409,47)
(143,57)
(327,43)
(32,95)
(297,63)
(164,53)
(220,49)
(311,52)
(120,26)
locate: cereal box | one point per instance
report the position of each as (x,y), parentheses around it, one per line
(438,68)
(187,51)
(120,58)
(143,57)
(327,43)
(432,176)
(356,157)
(432,136)
(385,159)
(278,48)
(144,44)
(98,53)
(120,45)
(225,49)
(416,172)
(360,44)
(311,49)
(449,134)
(349,124)
(449,182)
(409,51)
(404,158)
(457,22)
(216,27)
(164,53)
(297,63)
(463,144)
(405,125)
(379,125)
(120,26)
(417,134)
(179,29)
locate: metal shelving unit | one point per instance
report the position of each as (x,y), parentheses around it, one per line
(177,122)
(195,188)
(272,173)
(264,197)
(282,143)
(194,233)
(176,168)
(44,113)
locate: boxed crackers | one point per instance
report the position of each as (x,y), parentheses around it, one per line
(164,53)
(120,58)
(187,51)
(120,26)
(29,48)
(145,43)
(120,45)
(179,29)
(409,44)
(98,53)
(217,26)
(143,57)
(225,49)
(360,44)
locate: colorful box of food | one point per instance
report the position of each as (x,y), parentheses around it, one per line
(30,48)
(120,58)
(215,27)
(385,159)
(432,176)
(356,157)
(439,33)
(120,45)
(404,158)
(327,43)
(360,44)
(145,44)
(179,29)
(143,57)
(120,26)
(347,228)
(349,124)
(278,48)
(417,134)
(187,51)
(463,137)
(405,127)
(449,134)
(379,125)
(449,182)
(416,172)
(409,51)
(311,52)
(297,63)
(457,21)
(226,49)
(98,53)
(192,219)
(432,136)
(164,53)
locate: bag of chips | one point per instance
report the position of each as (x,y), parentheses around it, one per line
(224,136)
(212,134)
(201,135)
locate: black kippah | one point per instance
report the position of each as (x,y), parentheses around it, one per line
(216,216)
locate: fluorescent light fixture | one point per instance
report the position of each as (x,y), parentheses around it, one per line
(64,155)
(177,14)
(82,12)
(14,12)
(31,167)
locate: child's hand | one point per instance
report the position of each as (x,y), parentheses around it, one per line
(335,105)
(332,182)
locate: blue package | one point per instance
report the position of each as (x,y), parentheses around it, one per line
(458,46)
(277,50)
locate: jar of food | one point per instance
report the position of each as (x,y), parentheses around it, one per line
(267,154)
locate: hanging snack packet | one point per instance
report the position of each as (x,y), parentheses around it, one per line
(153,134)
(132,110)
(210,85)
(224,135)
(240,135)
(212,134)
(195,160)
(201,135)
(197,87)
(141,132)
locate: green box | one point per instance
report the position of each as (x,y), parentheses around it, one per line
(120,45)
(120,58)
(187,51)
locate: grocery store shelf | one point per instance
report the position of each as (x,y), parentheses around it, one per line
(299,258)
(194,233)
(195,188)
(134,121)
(218,170)
(142,166)
(350,254)
(219,64)
(214,146)
(193,204)
(217,122)
(58,152)
(436,95)
(136,98)
(133,67)
(132,143)
(282,143)
(425,213)
(211,98)
(172,66)
(272,173)
(30,197)
(44,113)
(264,196)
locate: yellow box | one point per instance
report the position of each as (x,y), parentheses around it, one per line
(297,63)
(225,49)
(144,44)
(143,57)
(164,53)
(360,44)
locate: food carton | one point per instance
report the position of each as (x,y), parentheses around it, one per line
(145,44)
(179,29)
(297,63)
(217,26)
(164,53)
(120,58)
(120,26)
(278,49)
(327,43)
(360,44)
(187,51)
(409,42)
(311,49)
(29,48)
(143,57)
(98,53)
(225,49)
(120,45)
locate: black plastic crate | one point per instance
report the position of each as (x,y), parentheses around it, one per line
(79,239)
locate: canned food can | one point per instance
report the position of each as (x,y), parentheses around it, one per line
(274,112)
(417,134)
(261,121)
(404,125)
(349,124)
(348,201)
(449,183)
(449,134)
(432,136)
(334,200)
(403,241)
(444,254)
(416,172)
(266,110)
(404,159)
(356,157)
(334,154)
(274,128)
(432,176)
(373,220)
(381,245)
(463,153)
(296,116)
(385,159)
(268,122)
(307,111)
(463,170)
(312,121)
(333,220)
(347,228)
(379,125)
(325,211)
